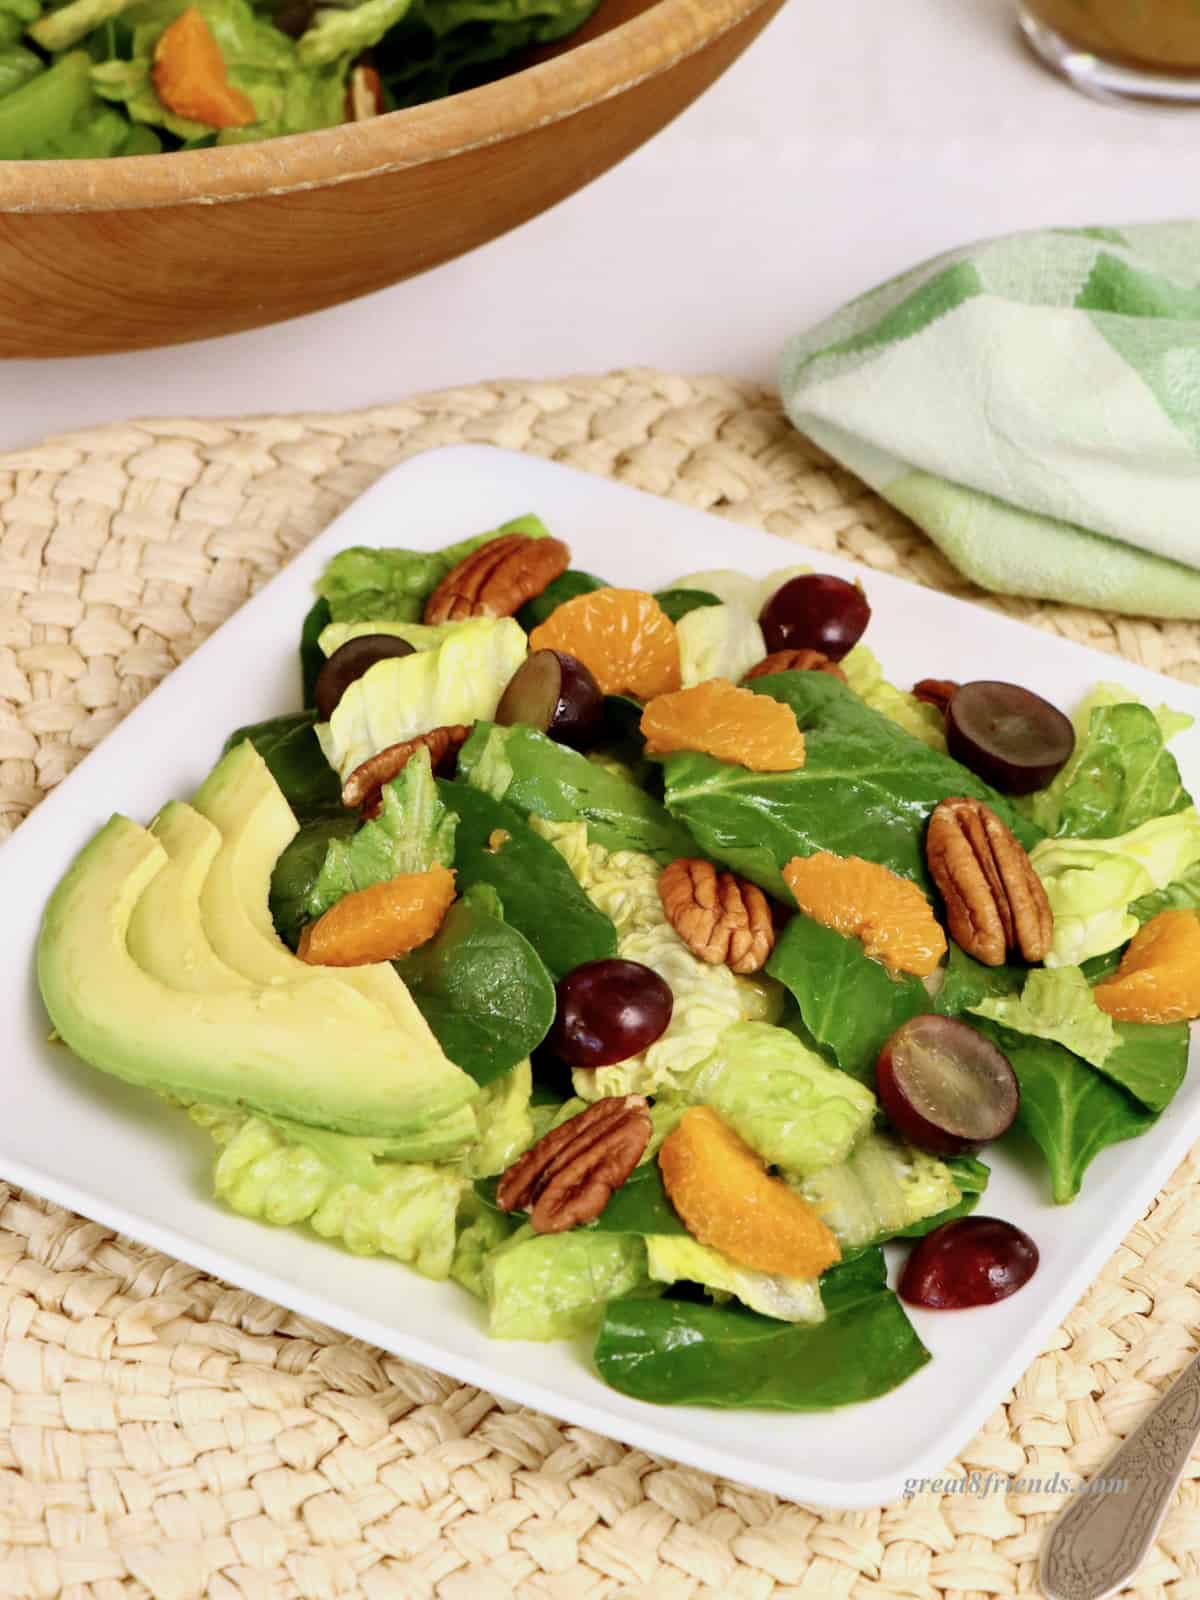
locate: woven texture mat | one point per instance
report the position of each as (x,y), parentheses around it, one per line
(162,1434)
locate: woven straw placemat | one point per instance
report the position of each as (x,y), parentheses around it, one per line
(162,1434)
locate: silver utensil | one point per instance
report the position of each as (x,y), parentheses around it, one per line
(1102,1537)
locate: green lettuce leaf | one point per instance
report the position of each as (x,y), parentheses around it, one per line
(408,1211)
(784,1101)
(1182,894)
(732,588)
(56,116)
(15,18)
(65,26)
(1056,1005)
(1149,1060)
(556,1285)
(541,896)
(848,1002)
(368,585)
(17,66)
(505,1123)
(481,987)
(459,682)
(412,833)
(485,1230)
(1093,884)
(721,641)
(421,635)
(678,603)
(541,778)
(566,586)
(881,1189)
(965,982)
(675,1352)
(674,1259)
(1120,774)
(289,747)
(866,789)
(346,32)
(865,676)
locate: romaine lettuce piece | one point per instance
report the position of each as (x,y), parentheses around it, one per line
(408,1212)
(65,26)
(674,1258)
(15,18)
(865,676)
(505,1124)
(486,1229)
(721,641)
(881,1189)
(1056,1005)
(461,681)
(556,1285)
(738,588)
(369,585)
(56,115)
(785,1102)
(17,66)
(1092,883)
(346,32)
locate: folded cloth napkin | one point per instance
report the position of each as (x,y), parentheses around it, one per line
(1033,403)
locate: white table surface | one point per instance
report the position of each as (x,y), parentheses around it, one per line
(853,139)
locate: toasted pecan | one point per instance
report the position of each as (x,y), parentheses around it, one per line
(365,784)
(994,899)
(497,579)
(720,917)
(570,1174)
(795,661)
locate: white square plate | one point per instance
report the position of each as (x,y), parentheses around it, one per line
(119,1156)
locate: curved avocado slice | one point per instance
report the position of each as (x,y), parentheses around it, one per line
(243,801)
(297,1050)
(166,931)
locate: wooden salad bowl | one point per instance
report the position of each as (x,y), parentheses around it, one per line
(141,251)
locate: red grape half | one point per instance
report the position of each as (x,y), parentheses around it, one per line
(1009,736)
(348,663)
(944,1087)
(556,694)
(969,1261)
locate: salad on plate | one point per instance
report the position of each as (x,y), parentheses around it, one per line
(647,962)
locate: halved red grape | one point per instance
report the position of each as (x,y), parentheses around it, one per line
(1009,736)
(348,663)
(556,694)
(970,1261)
(608,1010)
(944,1087)
(815,612)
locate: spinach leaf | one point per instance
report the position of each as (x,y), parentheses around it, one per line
(289,747)
(541,778)
(678,1352)
(1070,1110)
(847,1001)
(967,982)
(1124,776)
(971,1176)
(299,867)
(312,657)
(1182,895)
(678,602)
(539,892)
(566,586)
(1150,1060)
(640,1205)
(481,987)
(866,788)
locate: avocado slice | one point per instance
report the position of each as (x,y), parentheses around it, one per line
(166,931)
(299,1050)
(244,802)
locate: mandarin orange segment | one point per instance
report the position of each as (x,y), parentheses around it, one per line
(189,75)
(623,636)
(726,1199)
(380,923)
(865,901)
(718,719)
(1158,979)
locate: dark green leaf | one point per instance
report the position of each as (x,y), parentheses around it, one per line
(675,1352)
(299,867)
(312,657)
(847,1001)
(678,602)
(967,982)
(1150,1060)
(541,778)
(640,1205)
(971,1176)
(289,747)
(566,586)
(867,789)
(1182,895)
(482,987)
(541,897)
(1122,775)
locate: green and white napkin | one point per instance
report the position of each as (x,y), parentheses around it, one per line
(1033,403)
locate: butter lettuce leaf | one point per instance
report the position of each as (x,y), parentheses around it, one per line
(884,1188)
(556,1285)
(866,789)
(363,584)
(345,32)
(505,1124)
(484,1230)
(675,1352)
(720,641)
(1056,1004)
(739,589)
(865,676)
(675,1258)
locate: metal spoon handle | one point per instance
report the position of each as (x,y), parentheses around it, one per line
(1102,1537)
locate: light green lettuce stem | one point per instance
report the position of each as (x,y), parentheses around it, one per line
(340,33)
(59,30)
(34,117)
(674,1258)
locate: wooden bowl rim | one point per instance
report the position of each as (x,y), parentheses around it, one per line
(641,48)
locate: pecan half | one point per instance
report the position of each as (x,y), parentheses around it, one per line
(795,661)
(936,692)
(364,785)
(498,578)
(569,1175)
(995,901)
(718,916)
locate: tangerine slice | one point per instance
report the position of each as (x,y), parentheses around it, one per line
(623,636)
(1158,979)
(860,898)
(380,923)
(733,724)
(726,1199)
